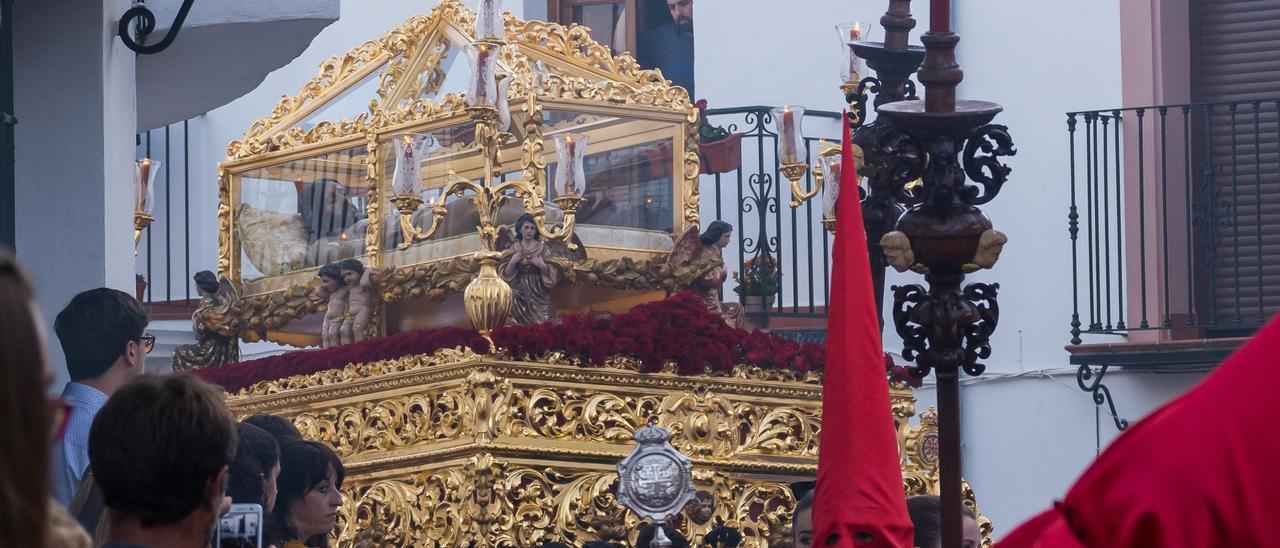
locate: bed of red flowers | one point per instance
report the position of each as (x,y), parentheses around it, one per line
(678,330)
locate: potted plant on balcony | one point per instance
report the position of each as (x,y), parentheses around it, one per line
(719,150)
(758,283)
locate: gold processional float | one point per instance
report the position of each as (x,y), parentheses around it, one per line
(411,158)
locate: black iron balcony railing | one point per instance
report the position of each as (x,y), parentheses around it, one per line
(164,252)
(1175,219)
(755,197)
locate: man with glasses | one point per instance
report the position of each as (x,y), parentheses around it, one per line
(103,335)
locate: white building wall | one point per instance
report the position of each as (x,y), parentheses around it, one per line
(74,100)
(1028,429)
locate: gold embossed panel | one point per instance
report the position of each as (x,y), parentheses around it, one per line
(456,447)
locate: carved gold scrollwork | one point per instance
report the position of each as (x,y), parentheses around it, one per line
(439,447)
(260,313)
(224,225)
(494,503)
(373,427)
(692,166)
(486,404)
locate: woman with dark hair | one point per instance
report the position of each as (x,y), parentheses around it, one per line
(279,427)
(255,468)
(28,423)
(307,495)
(926,517)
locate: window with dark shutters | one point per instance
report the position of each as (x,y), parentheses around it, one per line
(1235,47)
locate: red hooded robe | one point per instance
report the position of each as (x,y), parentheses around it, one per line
(1200,471)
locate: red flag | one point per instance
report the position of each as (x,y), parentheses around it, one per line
(1200,471)
(859,491)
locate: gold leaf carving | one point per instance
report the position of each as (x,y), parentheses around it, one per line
(454,447)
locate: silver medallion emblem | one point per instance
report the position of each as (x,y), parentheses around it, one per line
(655,480)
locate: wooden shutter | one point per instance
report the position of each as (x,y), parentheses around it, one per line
(1236,57)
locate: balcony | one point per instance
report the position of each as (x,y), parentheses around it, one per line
(1175,231)
(755,198)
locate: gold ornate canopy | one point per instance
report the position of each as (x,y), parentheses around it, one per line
(334,137)
(455,447)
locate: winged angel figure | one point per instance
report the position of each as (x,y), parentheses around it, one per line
(697,263)
(216,338)
(533,267)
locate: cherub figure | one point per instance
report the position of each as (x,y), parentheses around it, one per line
(697,262)
(897,250)
(334,291)
(360,299)
(531,271)
(989,246)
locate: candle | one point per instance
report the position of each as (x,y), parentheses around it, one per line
(408,170)
(570,180)
(787,134)
(570,150)
(830,185)
(144,180)
(483,87)
(940,16)
(855,33)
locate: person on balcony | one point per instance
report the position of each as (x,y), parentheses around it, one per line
(669,47)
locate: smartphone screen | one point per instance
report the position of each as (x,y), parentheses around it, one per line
(241,527)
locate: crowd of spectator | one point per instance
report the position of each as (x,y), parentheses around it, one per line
(123,459)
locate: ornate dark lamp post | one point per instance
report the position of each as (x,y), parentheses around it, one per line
(921,213)
(943,235)
(894,61)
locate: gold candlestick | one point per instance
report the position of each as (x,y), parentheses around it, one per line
(488,297)
(795,172)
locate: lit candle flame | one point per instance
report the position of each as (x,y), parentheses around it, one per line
(343,235)
(856,32)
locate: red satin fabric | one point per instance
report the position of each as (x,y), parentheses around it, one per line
(1200,471)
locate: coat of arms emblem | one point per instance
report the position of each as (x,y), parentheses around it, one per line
(655,480)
